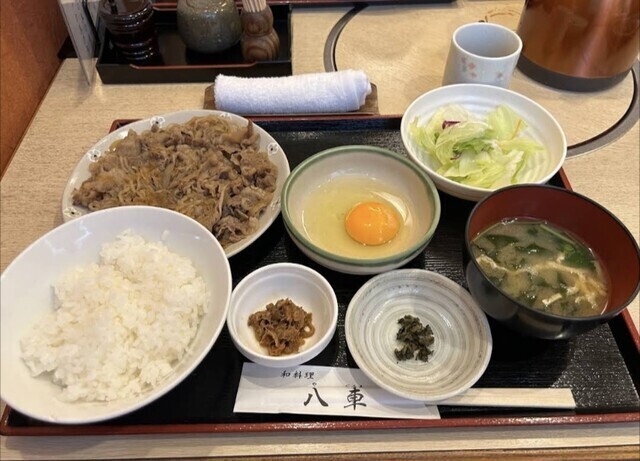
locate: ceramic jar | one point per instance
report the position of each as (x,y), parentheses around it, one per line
(208,26)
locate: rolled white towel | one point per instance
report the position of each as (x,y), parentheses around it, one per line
(341,91)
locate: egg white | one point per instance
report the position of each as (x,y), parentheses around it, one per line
(326,207)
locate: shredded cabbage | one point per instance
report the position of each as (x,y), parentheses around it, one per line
(487,153)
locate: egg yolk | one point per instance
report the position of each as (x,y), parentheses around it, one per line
(372,223)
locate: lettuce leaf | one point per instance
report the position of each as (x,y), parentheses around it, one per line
(505,123)
(487,153)
(456,139)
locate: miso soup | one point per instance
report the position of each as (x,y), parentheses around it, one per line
(542,266)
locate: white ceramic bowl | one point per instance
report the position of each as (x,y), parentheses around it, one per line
(305,287)
(480,100)
(26,296)
(462,338)
(267,144)
(361,161)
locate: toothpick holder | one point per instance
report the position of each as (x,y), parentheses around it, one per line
(259,40)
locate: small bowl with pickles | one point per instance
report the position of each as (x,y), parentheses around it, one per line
(549,262)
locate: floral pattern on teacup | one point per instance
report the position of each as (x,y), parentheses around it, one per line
(468,67)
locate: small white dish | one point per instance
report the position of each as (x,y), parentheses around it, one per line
(26,292)
(267,144)
(462,338)
(480,100)
(358,162)
(305,287)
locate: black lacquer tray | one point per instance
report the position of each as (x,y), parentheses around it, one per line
(178,64)
(601,367)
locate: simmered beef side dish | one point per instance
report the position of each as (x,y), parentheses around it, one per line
(282,327)
(207,168)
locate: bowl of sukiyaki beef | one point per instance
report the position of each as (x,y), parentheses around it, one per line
(549,262)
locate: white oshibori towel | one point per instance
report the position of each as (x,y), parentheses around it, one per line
(341,91)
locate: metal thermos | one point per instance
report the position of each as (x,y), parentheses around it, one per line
(581,45)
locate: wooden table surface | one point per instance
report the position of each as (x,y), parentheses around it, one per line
(403,50)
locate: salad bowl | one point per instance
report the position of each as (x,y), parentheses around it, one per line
(474,139)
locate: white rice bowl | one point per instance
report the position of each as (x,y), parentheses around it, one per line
(135,315)
(118,326)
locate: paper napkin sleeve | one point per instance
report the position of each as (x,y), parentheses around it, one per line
(341,91)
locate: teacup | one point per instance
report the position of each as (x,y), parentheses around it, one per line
(484,53)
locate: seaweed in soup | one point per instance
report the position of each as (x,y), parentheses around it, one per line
(542,266)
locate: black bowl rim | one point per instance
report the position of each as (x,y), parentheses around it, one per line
(600,317)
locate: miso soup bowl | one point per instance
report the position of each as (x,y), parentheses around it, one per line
(598,228)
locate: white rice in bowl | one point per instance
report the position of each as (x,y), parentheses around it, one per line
(120,326)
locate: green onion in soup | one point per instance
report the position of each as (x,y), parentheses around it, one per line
(543,267)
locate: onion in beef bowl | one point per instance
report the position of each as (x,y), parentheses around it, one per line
(217,168)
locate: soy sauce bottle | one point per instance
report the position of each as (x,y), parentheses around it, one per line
(132,30)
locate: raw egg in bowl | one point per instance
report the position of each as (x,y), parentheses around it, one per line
(360,209)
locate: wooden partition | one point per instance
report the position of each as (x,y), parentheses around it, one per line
(31,34)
